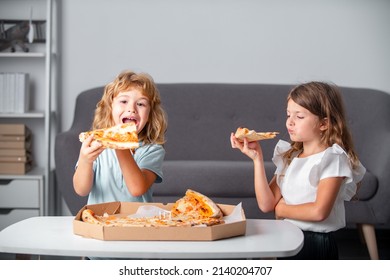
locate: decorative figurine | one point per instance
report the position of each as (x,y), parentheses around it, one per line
(18,34)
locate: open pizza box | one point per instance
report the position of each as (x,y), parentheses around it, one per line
(235,224)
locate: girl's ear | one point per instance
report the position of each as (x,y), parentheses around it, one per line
(324,125)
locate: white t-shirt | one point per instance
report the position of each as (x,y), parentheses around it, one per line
(299,180)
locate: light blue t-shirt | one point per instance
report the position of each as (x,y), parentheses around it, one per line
(109,184)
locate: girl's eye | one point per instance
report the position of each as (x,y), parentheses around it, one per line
(300,117)
(142,103)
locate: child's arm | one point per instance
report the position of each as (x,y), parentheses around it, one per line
(83,176)
(315,211)
(267,194)
(137,180)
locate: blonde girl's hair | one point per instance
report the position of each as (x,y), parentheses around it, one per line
(155,128)
(324,100)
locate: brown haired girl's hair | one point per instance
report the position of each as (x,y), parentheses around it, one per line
(325,101)
(155,128)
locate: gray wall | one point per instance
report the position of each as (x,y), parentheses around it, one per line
(234,41)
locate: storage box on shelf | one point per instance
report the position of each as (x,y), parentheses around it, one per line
(15,149)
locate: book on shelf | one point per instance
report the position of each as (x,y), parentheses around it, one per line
(15,167)
(14,92)
(15,153)
(15,145)
(17,138)
(14,129)
(13,158)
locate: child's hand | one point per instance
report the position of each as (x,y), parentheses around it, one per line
(250,149)
(90,150)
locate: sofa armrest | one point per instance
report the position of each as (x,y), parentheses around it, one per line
(380,167)
(67,149)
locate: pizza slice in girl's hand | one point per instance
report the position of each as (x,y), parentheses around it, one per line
(122,136)
(252,135)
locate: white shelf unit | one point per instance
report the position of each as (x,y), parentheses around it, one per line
(22,55)
(39,62)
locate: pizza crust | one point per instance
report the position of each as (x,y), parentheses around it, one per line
(111,144)
(121,136)
(88,216)
(252,135)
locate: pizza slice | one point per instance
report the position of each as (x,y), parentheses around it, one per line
(89,216)
(196,206)
(252,135)
(122,136)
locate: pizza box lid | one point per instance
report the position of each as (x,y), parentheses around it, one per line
(201,233)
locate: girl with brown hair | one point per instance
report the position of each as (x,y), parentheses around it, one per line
(315,173)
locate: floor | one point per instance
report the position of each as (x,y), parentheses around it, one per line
(350,247)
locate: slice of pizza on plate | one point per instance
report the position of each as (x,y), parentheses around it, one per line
(122,136)
(252,135)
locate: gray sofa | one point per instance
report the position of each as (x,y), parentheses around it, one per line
(199,156)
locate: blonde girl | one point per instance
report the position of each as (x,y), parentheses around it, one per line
(118,175)
(315,173)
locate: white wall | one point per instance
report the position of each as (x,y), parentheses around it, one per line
(234,41)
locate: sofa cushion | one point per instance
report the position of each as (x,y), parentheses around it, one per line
(214,178)
(368,187)
(202,116)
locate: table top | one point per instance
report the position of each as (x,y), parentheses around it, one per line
(53,235)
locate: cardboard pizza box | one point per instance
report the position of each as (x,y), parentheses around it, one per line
(201,233)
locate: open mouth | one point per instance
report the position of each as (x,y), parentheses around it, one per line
(128,120)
